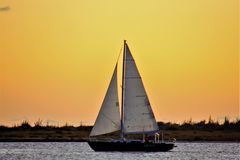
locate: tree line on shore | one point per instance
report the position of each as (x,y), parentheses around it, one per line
(202,125)
(186,125)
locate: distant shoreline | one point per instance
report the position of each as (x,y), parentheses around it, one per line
(186,132)
(81,135)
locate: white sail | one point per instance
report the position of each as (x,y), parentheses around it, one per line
(138,114)
(108,119)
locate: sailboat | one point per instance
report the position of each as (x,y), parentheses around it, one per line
(136,116)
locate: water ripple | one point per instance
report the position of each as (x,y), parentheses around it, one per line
(81,151)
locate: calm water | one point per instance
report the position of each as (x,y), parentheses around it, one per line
(78,150)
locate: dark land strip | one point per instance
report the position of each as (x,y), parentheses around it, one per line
(188,131)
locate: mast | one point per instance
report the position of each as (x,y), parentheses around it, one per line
(123,88)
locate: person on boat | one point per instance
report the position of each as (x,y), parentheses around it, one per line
(146,139)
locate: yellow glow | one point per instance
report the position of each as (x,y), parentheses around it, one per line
(57,57)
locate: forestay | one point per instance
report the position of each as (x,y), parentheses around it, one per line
(108,119)
(138,114)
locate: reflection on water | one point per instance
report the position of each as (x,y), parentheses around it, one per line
(78,150)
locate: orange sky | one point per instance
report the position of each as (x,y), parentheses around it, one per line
(57,57)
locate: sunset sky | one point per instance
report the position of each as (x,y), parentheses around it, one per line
(57,57)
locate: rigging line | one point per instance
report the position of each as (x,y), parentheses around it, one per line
(119,55)
(110,120)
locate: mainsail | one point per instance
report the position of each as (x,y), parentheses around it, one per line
(138,116)
(108,119)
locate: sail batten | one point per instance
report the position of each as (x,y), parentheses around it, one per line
(138,114)
(108,119)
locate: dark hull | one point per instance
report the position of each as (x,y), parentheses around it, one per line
(130,146)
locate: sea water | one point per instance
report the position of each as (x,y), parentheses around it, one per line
(82,151)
